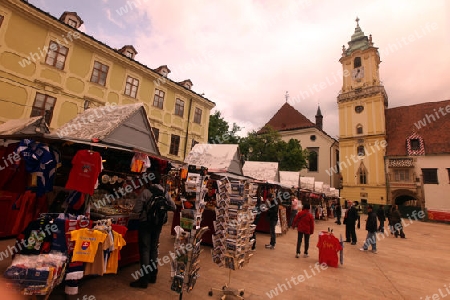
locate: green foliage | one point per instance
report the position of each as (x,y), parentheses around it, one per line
(268,146)
(219,130)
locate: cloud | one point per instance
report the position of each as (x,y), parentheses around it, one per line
(244,55)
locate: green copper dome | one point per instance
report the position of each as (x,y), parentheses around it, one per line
(359,41)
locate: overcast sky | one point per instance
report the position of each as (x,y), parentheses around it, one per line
(245,54)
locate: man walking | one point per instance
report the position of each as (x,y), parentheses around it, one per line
(351,216)
(371,227)
(381,218)
(338,213)
(272,215)
(396,220)
(148,235)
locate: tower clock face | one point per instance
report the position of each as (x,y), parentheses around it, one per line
(358,73)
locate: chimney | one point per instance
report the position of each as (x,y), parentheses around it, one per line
(128,51)
(319,119)
(72,19)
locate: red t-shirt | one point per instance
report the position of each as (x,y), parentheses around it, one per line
(86,166)
(328,246)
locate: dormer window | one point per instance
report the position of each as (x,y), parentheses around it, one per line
(163,70)
(128,51)
(72,23)
(186,83)
(415,144)
(72,19)
(357,62)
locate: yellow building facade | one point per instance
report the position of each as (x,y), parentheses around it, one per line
(50,68)
(362,132)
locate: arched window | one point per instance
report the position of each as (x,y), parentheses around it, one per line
(359,129)
(362,174)
(361,151)
(357,62)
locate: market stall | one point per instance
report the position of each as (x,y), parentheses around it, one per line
(86,173)
(218,160)
(267,176)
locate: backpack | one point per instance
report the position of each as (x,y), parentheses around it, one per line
(156,208)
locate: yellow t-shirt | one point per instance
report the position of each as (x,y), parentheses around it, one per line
(113,261)
(86,244)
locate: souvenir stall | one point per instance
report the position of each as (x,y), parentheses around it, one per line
(214,159)
(267,175)
(84,179)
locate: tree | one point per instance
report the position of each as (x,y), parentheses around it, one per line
(267,145)
(219,130)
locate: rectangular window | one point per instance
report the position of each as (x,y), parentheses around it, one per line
(72,23)
(43,106)
(156,133)
(415,144)
(198,115)
(401,175)
(448,171)
(362,177)
(174,144)
(56,55)
(313,159)
(194,142)
(430,176)
(99,73)
(179,108)
(131,87)
(158,101)
(1,20)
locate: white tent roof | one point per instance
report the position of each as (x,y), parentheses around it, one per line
(121,125)
(318,187)
(307,183)
(290,178)
(216,157)
(24,126)
(261,170)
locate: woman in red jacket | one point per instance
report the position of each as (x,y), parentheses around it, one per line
(304,221)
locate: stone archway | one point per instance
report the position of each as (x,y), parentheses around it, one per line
(407,201)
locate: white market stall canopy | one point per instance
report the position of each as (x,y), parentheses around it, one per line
(115,125)
(307,183)
(216,157)
(318,187)
(261,170)
(17,127)
(290,178)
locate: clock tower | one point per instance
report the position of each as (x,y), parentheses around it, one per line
(362,128)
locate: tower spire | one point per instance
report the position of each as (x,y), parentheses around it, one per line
(286,96)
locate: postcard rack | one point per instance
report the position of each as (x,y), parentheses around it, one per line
(232,241)
(186,262)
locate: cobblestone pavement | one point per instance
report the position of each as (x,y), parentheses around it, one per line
(413,268)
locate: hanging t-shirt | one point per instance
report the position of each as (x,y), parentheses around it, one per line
(86,244)
(328,246)
(140,163)
(98,266)
(113,261)
(86,167)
